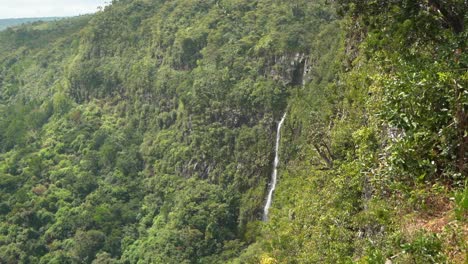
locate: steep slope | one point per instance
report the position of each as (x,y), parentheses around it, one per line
(374,146)
(146,133)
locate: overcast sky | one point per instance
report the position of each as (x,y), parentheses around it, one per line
(48,8)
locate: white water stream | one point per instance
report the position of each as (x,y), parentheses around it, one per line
(275,171)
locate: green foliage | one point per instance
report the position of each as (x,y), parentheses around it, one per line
(378,132)
(10,22)
(87,244)
(145,133)
(424,249)
(461,200)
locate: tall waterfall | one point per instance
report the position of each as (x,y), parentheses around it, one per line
(275,171)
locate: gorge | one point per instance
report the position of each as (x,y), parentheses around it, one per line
(155,131)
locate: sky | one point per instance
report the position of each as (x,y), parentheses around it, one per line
(48,8)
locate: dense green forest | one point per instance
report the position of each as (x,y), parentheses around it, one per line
(10,22)
(145,133)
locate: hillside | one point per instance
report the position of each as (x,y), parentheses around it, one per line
(145,133)
(10,22)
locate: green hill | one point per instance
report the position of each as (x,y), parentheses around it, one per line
(10,22)
(145,133)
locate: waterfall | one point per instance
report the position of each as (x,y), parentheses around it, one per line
(275,171)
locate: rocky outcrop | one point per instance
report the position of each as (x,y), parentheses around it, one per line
(289,69)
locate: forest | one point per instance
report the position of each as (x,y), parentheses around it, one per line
(145,133)
(10,22)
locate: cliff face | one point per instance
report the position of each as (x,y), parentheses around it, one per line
(146,133)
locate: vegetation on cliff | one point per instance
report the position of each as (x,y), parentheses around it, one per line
(145,133)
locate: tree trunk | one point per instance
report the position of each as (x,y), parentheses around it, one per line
(324,156)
